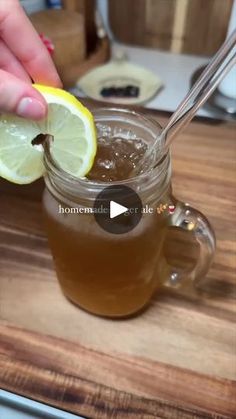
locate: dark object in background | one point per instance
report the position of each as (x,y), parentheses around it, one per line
(54,4)
(125,91)
(97,42)
(87,9)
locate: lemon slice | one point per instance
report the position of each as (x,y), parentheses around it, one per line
(68,121)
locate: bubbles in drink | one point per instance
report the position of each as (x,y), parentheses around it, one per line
(117,157)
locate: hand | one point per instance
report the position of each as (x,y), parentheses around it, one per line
(23,57)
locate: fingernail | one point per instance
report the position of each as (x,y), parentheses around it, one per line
(30,108)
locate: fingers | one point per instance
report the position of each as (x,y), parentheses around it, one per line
(28,49)
(10,63)
(19,97)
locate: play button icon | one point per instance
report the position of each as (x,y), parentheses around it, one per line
(117,209)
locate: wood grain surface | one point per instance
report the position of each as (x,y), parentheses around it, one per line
(176,360)
(187,26)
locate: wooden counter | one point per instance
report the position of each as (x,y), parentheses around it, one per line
(176,360)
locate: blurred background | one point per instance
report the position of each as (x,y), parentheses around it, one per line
(144,52)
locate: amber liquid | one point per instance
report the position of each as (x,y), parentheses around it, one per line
(107,274)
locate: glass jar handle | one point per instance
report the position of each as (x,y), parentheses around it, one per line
(190,219)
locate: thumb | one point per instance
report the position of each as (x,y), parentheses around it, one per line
(20,98)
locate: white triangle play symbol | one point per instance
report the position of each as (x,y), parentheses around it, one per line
(116,209)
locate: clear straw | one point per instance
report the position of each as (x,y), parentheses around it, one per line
(213,74)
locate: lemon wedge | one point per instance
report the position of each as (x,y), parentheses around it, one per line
(68,121)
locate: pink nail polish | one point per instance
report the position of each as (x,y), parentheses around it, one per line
(31,108)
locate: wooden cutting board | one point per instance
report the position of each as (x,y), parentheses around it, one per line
(176,360)
(188,26)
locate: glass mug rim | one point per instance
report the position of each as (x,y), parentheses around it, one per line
(148,180)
